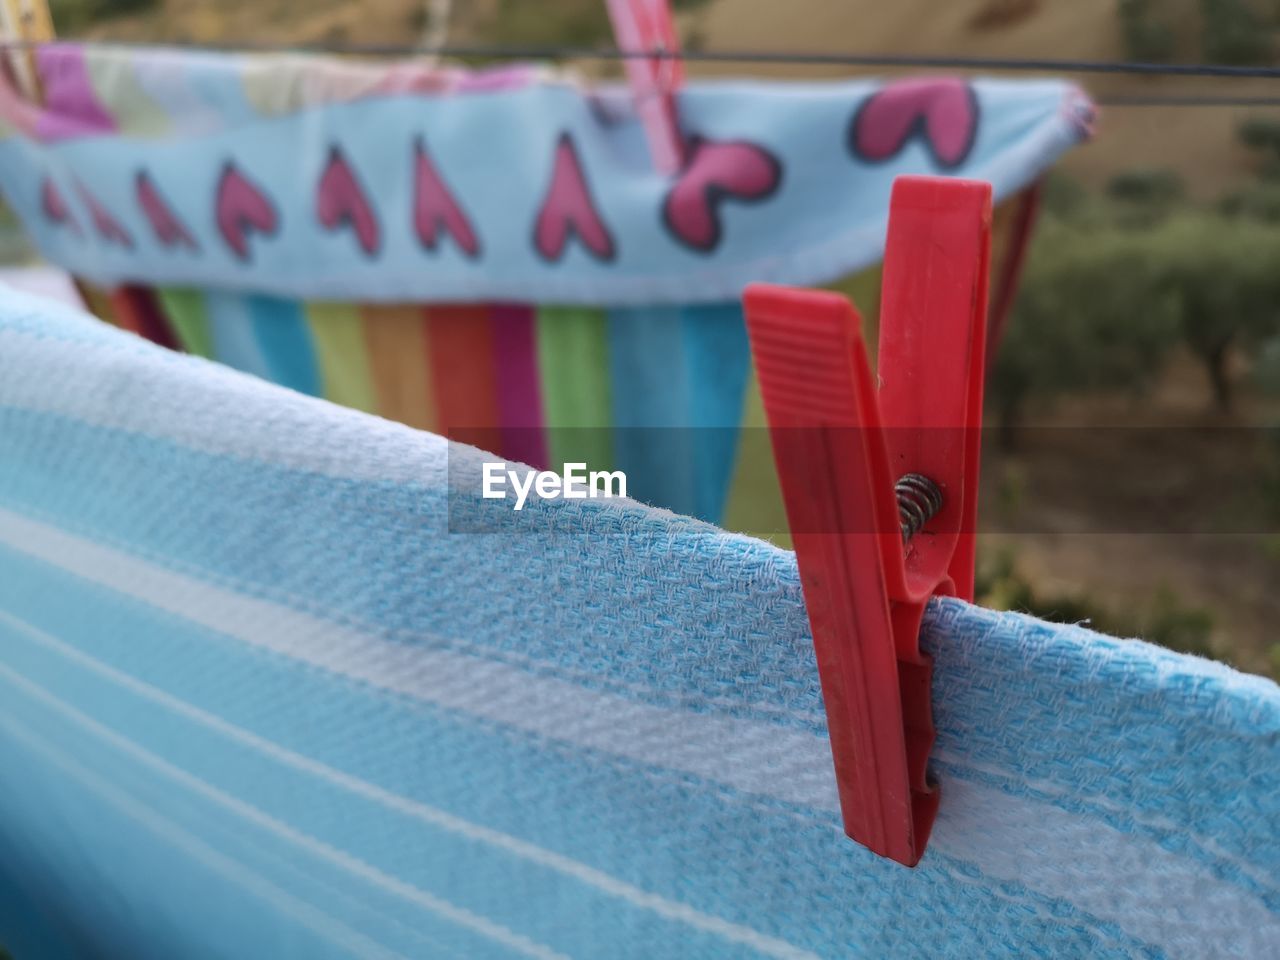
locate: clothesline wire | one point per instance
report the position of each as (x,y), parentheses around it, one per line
(769,57)
(921,61)
(1174,100)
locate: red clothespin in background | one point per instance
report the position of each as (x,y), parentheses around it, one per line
(648,25)
(881,487)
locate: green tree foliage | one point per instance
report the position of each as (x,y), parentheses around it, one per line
(1103,302)
(73,16)
(1064,198)
(1089,316)
(1144,196)
(1147,36)
(1262,135)
(1222,279)
(1266,374)
(1259,201)
(1161,187)
(572,23)
(1234,32)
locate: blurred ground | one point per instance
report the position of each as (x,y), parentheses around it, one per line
(1083,468)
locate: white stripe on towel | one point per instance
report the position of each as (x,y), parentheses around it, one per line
(308,915)
(784,763)
(604,882)
(353,865)
(1095,859)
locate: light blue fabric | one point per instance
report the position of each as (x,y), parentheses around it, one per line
(679,376)
(797,192)
(285,341)
(235,337)
(257,700)
(718,356)
(265,336)
(651,411)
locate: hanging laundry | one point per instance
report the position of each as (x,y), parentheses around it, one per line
(493,253)
(258,697)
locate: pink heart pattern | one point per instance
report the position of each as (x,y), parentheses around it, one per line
(716,172)
(941,111)
(103,222)
(568,208)
(435,211)
(240,207)
(55,208)
(340,202)
(169,230)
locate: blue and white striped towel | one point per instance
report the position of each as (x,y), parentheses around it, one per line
(257,701)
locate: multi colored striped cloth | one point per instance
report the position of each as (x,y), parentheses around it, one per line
(542,386)
(614,387)
(257,700)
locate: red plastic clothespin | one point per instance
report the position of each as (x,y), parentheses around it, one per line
(648,25)
(841,447)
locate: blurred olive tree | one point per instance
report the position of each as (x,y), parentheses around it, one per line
(1235,31)
(1147,33)
(1144,197)
(1106,297)
(1091,315)
(1227,31)
(1223,277)
(73,16)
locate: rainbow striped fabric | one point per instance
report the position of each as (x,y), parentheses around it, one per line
(257,700)
(666,393)
(538,385)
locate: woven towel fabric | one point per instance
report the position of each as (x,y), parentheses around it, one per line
(257,700)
